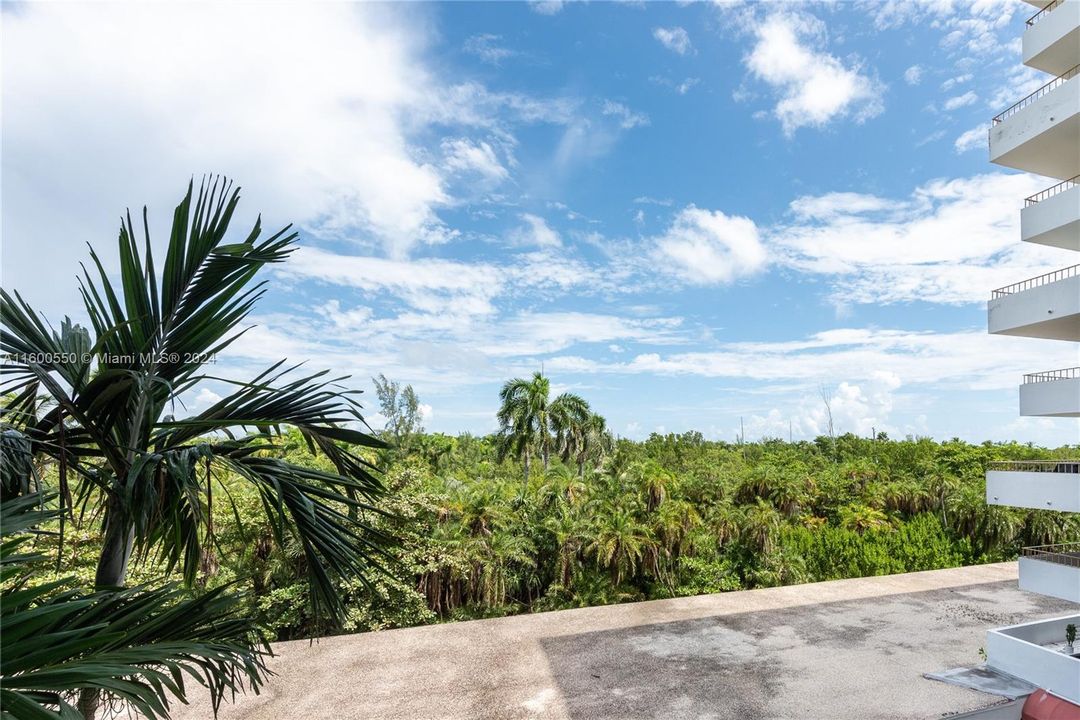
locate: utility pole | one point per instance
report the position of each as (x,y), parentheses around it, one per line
(789,432)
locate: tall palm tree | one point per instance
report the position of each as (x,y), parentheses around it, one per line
(111,397)
(523,419)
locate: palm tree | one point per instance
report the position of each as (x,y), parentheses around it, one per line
(860,518)
(760,526)
(523,420)
(108,420)
(134,642)
(567,531)
(620,542)
(569,414)
(585,439)
(562,487)
(530,423)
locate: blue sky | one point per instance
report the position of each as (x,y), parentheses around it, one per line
(688,213)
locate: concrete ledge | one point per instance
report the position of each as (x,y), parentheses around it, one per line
(846,649)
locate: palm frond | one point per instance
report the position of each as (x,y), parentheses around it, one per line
(138,646)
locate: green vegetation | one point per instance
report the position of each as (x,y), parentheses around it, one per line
(670,516)
(98,412)
(128,643)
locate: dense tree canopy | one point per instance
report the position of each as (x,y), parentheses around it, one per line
(672,515)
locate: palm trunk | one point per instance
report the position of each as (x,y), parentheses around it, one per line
(528,461)
(111,572)
(116,548)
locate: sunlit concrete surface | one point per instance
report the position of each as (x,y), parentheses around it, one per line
(843,649)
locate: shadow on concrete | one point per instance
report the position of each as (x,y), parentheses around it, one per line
(859,659)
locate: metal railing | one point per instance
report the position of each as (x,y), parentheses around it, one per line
(1039,281)
(1052,375)
(1062,553)
(1051,466)
(1042,13)
(1048,87)
(1052,191)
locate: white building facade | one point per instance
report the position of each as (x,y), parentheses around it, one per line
(1040,134)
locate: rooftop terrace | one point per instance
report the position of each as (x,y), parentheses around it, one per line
(842,649)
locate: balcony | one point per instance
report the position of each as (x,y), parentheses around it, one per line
(1034,652)
(1052,39)
(1035,484)
(1055,393)
(1041,133)
(1052,570)
(1047,306)
(1052,217)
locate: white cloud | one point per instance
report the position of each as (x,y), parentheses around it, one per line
(532,333)
(971,360)
(859,407)
(360,79)
(913,75)
(536,232)
(980,31)
(546,7)
(1018,82)
(895,13)
(675,39)
(686,85)
(815,87)
(681,87)
(627,118)
(950,241)
(959,101)
(461,155)
(971,139)
(486,47)
(426,412)
(709,247)
(430,285)
(205,398)
(958,80)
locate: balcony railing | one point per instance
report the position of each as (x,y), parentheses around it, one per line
(1061,554)
(1052,375)
(1042,13)
(1048,87)
(1050,466)
(1052,191)
(1063,274)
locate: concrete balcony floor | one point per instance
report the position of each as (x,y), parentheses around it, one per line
(844,650)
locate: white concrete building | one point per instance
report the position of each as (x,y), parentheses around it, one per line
(1041,134)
